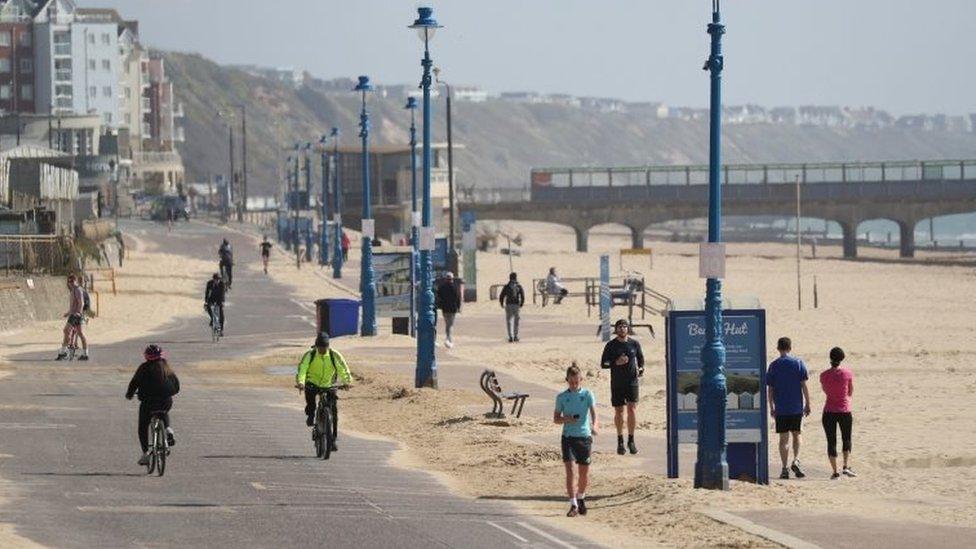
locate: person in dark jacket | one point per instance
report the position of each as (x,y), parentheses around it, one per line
(155,383)
(213,300)
(226,255)
(512,299)
(624,358)
(449,302)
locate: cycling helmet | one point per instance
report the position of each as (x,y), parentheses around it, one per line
(153,352)
(322,340)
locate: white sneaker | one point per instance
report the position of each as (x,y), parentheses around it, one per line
(449,344)
(144,460)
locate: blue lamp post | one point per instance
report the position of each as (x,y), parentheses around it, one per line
(367,287)
(308,203)
(414,213)
(295,233)
(711,469)
(426,375)
(337,258)
(324,237)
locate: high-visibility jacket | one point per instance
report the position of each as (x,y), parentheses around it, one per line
(322,370)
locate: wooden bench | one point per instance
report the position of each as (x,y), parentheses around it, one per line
(491,387)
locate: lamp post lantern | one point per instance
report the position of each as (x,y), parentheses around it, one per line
(426,372)
(711,469)
(414,212)
(367,287)
(337,258)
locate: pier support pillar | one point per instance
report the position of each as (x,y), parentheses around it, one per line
(849,230)
(636,238)
(906,242)
(582,236)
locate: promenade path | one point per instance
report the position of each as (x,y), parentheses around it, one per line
(242,473)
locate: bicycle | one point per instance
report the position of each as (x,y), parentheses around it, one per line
(326,427)
(158,446)
(216,324)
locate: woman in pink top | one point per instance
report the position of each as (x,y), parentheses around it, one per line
(838,385)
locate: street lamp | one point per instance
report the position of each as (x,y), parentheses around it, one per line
(232,180)
(337,258)
(711,469)
(367,287)
(308,199)
(426,374)
(452,257)
(324,236)
(243,162)
(297,205)
(414,213)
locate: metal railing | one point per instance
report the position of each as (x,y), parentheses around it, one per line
(735,174)
(36,254)
(493,196)
(62,75)
(156,157)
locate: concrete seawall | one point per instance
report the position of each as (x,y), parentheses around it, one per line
(28,299)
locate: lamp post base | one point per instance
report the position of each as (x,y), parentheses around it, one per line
(712,474)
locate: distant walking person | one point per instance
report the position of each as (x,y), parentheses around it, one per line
(449,302)
(121,246)
(512,299)
(345,243)
(554,286)
(789,401)
(265,253)
(576,412)
(226,255)
(622,355)
(838,385)
(74,326)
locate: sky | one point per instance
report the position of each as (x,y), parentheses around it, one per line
(904,56)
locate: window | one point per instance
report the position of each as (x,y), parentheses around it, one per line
(5,39)
(93,92)
(107,117)
(26,65)
(27,92)
(128,92)
(107,91)
(26,39)
(4,64)
(91,38)
(107,64)
(91,65)
(128,119)
(106,39)
(5,91)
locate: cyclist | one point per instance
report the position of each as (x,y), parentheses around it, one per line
(75,322)
(156,384)
(213,300)
(319,369)
(265,253)
(227,261)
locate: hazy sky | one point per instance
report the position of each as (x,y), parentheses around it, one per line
(901,55)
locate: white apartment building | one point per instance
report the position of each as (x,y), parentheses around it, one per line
(77,62)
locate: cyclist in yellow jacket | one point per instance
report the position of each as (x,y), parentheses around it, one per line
(319,369)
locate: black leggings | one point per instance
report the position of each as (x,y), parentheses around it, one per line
(146,407)
(830,422)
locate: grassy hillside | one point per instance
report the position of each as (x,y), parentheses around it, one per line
(502,140)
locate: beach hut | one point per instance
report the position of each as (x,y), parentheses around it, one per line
(732,401)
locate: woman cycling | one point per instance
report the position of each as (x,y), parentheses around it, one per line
(156,384)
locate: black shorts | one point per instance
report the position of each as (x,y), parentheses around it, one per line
(786,424)
(622,393)
(74,320)
(577,449)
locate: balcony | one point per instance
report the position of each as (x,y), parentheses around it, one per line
(146,105)
(179,135)
(178,111)
(62,75)
(63,102)
(152,158)
(62,50)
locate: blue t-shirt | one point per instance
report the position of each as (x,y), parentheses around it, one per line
(570,403)
(786,376)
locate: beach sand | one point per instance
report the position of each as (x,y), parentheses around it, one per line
(907,329)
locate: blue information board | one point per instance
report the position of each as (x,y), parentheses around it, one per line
(744,336)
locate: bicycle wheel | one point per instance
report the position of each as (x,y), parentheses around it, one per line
(319,433)
(161,449)
(151,464)
(329,437)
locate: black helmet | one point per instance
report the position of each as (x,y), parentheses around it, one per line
(322,340)
(216,276)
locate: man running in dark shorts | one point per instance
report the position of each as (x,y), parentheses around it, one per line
(625,360)
(789,401)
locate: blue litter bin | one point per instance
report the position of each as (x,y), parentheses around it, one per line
(337,317)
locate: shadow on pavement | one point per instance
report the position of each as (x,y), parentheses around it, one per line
(257,457)
(91,474)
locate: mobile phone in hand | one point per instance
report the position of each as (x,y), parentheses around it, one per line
(576,416)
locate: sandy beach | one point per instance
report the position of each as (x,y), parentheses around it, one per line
(909,340)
